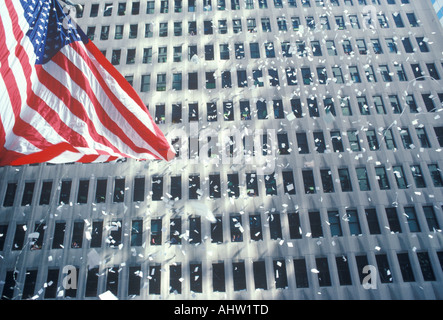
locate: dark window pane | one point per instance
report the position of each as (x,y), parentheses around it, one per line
(218,277)
(28,193)
(83,188)
(10,194)
(77,234)
(301,274)
(65,191)
(96,234)
(259,269)
(45,196)
(239,276)
(324,278)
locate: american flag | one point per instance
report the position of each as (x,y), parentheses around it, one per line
(61,100)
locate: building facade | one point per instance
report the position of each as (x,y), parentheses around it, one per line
(309,154)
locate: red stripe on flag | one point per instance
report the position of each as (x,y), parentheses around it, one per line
(45,155)
(79,78)
(157,140)
(64,95)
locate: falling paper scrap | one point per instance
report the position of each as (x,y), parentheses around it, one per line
(108,295)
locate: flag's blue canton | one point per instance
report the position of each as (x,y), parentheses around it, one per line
(49,28)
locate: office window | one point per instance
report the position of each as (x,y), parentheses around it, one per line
(337,75)
(382,178)
(210,80)
(119,190)
(418,176)
(372,219)
(175,227)
(412,219)
(178,29)
(233,185)
(11,190)
(52,284)
(28,193)
(65,191)
(326,180)
(94,10)
(363,180)
(83,189)
(361,262)
(239,276)
(154,279)
(334,223)
(194,230)
(236,228)
(77,234)
(308,181)
(29,286)
(217,230)
(426,266)
(436,176)
(157,188)
(319,141)
(59,235)
(115,235)
(139,189)
(45,195)
(156,232)
(329,107)
(242,79)
(161,81)
(273,77)
(400,177)
(245,110)
(431,218)
(405,267)
(330,46)
(383,268)
(372,140)
(315,223)
(337,143)
(207,27)
(270,184)
(295,231)
(19,237)
(259,269)
(393,220)
(401,74)
(280,274)
(96,234)
(175,277)
(324,277)
(255,227)
(275,226)
(301,274)
(389,139)
(137,233)
(422,137)
(134,281)
(218,277)
(354,141)
(345,180)
(353,222)
(266,24)
(344,274)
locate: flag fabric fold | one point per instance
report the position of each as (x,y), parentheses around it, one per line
(61,100)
